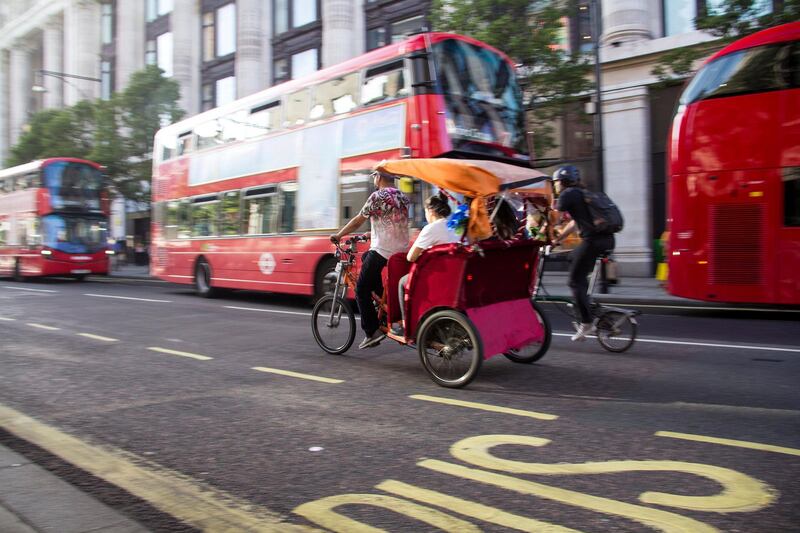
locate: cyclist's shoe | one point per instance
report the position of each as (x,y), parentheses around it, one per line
(584,330)
(372,340)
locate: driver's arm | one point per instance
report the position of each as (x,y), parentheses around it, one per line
(348,228)
(414,253)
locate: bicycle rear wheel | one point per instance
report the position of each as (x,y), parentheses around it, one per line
(333,324)
(616,331)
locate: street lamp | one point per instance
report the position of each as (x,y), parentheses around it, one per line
(39,87)
(594,14)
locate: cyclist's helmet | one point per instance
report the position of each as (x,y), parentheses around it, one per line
(568,175)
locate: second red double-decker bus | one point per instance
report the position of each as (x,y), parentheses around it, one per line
(734,174)
(246,195)
(53,219)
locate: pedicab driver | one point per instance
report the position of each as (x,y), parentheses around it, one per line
(387,211)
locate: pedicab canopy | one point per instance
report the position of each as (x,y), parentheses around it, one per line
(477,179)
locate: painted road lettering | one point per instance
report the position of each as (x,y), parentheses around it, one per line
(740,492)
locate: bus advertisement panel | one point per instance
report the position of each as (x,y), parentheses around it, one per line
(246,195)
(53,219)
(734,174)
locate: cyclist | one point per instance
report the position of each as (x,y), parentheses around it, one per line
(387,211)
(571,200)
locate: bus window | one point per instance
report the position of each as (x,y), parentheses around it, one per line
(169,147)
(261,210)
(791,198)
(185,143)
(382,83)
(3,232)
(335,97)
(204,216)
(208,134)
(288,198)
(230,223)
(297,107)
(177,220)
(354,189)
(264,118)
(752,70)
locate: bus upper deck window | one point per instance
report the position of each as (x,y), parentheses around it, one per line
(264,118)
(169,147)
(208,134)
(384,82)
(297,107)
(335,97)
(185,143)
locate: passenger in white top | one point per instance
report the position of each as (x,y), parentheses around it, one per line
(436,232)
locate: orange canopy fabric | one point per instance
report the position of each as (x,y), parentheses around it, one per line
(477,179)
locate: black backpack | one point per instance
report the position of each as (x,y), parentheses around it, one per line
(606,216)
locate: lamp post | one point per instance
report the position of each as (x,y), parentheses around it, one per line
(39,88)
(594,6)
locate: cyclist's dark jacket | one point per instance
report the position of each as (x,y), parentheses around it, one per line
(571,201)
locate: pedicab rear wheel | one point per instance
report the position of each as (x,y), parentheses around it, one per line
(333,324)
(537,349)
(450,348)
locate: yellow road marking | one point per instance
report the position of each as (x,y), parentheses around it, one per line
(97,337)
(182,354)
(470,508)
(42,326)
(188,500)
(740,492)
(322,513)
(484,407)
(655,518)
(296,374)
(729,442)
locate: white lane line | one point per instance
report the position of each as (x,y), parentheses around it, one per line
(266,310)
(27,289)
(128,298)
(729,442)
(42,326)
(6,319)
(705,344)
(97,337)
(296,374)
(182,354)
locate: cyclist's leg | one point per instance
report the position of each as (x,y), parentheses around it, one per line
(369,281)
(583,258)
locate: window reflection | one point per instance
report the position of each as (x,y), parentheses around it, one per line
(679,16)
(73,185)
(74,234)
(204,218)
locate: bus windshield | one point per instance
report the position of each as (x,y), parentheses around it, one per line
(484,101)
(74,234)
(73,185)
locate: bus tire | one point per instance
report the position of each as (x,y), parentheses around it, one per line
(79,277)
(202,279)
(324,278)
(18,272)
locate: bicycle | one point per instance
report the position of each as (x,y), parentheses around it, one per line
(616,327)
(333,307)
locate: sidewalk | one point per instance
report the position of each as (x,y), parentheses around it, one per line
(34,500)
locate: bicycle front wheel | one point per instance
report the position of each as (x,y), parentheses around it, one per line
(333,324)
(616,331)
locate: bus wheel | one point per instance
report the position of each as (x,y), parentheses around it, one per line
(18,272)
(202,279)
(79,277)
(325,278)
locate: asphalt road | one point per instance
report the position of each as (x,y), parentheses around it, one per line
(696,428)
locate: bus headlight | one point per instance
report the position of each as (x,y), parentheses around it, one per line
(46,252)
(109,252)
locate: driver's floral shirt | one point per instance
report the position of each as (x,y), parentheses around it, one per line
(387,210)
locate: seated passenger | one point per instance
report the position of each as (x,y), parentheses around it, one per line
(436,232)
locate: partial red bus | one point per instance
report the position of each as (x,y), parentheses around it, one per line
(246,195)
(734,174)
(53,219)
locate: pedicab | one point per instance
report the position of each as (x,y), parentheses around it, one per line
(465,302)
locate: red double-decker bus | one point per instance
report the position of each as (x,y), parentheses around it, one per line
(53,219)
(734,174)
(246,195)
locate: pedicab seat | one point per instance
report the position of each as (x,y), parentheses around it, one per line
(491,283)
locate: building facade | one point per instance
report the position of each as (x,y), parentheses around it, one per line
(220,50)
